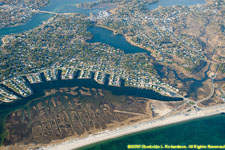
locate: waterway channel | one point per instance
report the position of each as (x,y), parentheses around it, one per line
(38,91)
(57,6)
(117,41)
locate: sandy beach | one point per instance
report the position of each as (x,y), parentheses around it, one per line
(109,134)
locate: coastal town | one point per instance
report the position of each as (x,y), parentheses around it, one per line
(21,87)
(164,31)
(14,13)
(75,53)
(151,67)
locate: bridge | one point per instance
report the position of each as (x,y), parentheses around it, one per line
(42,11)
(49,12)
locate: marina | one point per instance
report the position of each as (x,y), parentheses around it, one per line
(20,86)
(94,89)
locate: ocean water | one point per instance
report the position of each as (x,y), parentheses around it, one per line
(210,130)
(204,131)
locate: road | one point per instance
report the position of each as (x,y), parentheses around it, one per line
(210,95)
(212,90)
(42,11)
(50,12)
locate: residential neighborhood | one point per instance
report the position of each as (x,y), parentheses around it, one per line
(19,85)
(14,13)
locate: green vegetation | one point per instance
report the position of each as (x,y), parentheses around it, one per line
(191,103)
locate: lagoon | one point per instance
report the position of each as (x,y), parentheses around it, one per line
(117,41)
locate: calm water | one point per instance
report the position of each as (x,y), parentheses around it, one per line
(69,6)
(209,130)
(118,41)
(174,2)
(58,6)
(204,131)
(38,91)
(36,20)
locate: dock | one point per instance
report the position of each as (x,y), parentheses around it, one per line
(100,77)
(18,85)
(85,74)
(114,80)
(68,73)
(7,96)
(34,78)
(51,74)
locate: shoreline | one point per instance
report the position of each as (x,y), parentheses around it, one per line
(138,127)
(152,53)
(126,37)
